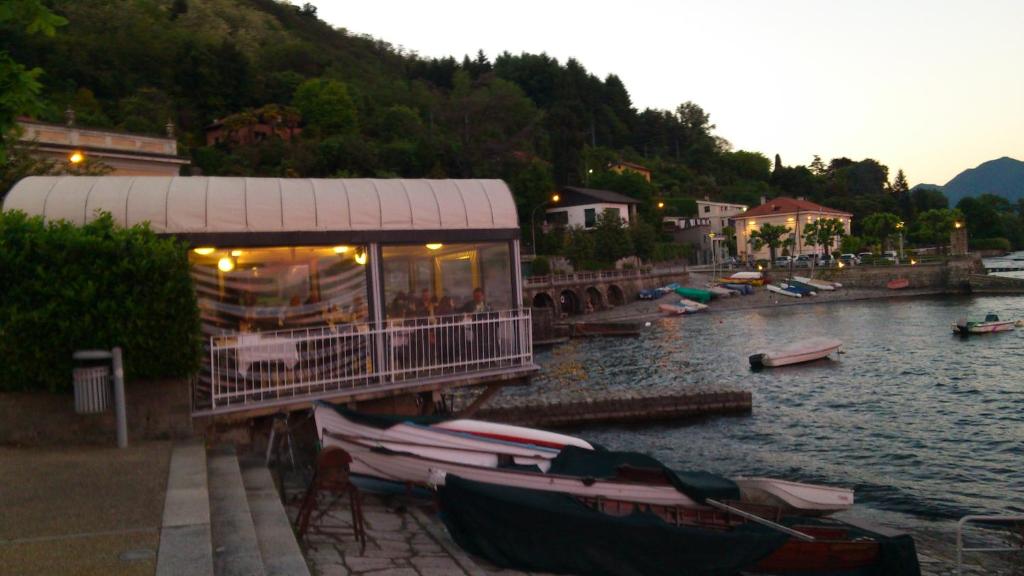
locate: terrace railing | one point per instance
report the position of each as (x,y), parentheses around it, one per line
(249,370)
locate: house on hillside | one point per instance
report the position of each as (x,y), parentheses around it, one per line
(793,213)
(582,206)
(254,126)
(126,153)
(623,166)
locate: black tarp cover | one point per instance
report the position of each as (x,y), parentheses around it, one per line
(553,532)
(382,421)
(573,461)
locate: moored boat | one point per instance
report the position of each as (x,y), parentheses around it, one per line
(718,291)
(702,296)
(532,530)
(743,289)
(818,284)
(805,350)
(991,323)
(783,291)
(794,286)
(752,278)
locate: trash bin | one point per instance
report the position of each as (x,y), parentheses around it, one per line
(92,388)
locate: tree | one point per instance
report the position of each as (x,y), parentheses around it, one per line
(730,239)
(818,167)
(769,235)
(327,105)
(611,238)
(882,226)
(934,226)
(20,86)
(579,247)
(644,238)
(828,229)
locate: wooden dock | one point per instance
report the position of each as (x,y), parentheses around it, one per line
(626,408)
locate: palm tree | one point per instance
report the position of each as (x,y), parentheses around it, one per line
(769,235)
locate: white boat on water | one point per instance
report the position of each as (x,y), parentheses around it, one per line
(991,323)
(820,284)
(390,449)
(783,291)
(804,350)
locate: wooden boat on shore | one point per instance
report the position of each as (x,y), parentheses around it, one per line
(897,284)
(532,530)
(805,350)
(991,323)
(783,291)
(819,284)
(387,448)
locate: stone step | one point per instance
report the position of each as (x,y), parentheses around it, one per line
(278,547)
(236,550)
(185,534)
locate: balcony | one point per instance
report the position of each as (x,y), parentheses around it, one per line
(269,370)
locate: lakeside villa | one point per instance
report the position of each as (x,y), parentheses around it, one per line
(793,213)
(340,289)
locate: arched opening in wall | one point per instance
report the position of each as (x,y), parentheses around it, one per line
(543,300)
(595,301)
(568,302)
(615,296)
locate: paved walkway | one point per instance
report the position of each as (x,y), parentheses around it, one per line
(82,510)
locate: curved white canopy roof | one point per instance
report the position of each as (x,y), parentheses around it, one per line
(196,205)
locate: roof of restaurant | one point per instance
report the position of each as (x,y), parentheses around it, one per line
(214,205)
(785,205)
(576,196)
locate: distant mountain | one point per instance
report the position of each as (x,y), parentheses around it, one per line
(927,187)
(1003,177)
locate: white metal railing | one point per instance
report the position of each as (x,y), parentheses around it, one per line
(960,549)
(598,275)
(265,367)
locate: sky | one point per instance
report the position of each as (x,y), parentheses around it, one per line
(932,87)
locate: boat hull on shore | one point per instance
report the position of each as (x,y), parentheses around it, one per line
(799,352)
(818,284)
(783,291)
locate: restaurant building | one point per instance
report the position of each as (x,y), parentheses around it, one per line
(794,214)
(341,289)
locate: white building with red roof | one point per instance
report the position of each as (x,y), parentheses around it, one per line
(793,213)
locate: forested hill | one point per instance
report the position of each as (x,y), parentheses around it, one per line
(366,108)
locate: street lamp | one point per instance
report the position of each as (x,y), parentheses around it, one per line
(661,205)
(533,220)
(714,256)
(76,157)
(899,226)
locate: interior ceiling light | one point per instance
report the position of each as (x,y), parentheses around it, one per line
(226,264)
(434,246)
(204,251)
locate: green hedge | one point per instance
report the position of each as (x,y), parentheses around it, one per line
(990,244)
(68,288)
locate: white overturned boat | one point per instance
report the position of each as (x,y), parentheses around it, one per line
(721,292)
(820,284)
(804,350)
(783,291)
(390,449)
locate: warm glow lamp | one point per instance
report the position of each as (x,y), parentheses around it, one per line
(76,157)
(226,264)
(340,249)
(204,251)
(360,258)
(434,246)
(236,253)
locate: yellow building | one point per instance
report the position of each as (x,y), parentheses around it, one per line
(620,167)
(793,213)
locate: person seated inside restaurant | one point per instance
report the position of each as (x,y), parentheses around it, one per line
(445,306)
(425,305)
(477,305)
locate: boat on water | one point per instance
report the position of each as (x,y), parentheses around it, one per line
(819,284)
(783,291)
(407,452)
(897,284)
(991,323)
(805,350)
(702,296)
(544,531)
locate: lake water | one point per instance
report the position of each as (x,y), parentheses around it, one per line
(925,425)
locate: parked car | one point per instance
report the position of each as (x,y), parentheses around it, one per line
(889,255)
(849,259)
(802,261)
(782,261)
(865,257)
(824,260)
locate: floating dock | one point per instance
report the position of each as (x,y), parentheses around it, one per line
(623,408)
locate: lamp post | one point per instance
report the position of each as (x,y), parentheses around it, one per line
(533,220)
(714,256)
(899,226)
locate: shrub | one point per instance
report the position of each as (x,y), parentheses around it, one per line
(541,266)
(991,244)
(69,288)
(667,251)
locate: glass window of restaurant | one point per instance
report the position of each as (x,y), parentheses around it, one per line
(280,288)
(446,279)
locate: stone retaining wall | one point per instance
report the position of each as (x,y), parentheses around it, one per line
(158,409)
(951,276)
(987,283)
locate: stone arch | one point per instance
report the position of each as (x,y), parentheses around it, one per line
(569,302)
(594,298)
(616,297)
(543,300)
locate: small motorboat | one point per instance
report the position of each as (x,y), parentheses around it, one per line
(818,284)
(897,284)
(783,291)
(991,323)
(805,350)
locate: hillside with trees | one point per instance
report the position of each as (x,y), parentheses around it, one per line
(362,107)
